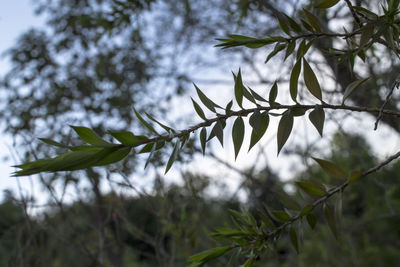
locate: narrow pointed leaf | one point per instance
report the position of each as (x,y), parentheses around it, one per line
(205,100)
(284,129)
(294,79)
(258,133)
(306,210)
(218,131)
(228,109)
(354,176)
(90,137)
(210,254)
(273,93)
(283,25)
(114,156)
(168,129)
(317,118)
(293,24)
(153,148)
(311,81)
(313,20)
(287,201)
(327,3)
(312,220)
(239,89)
(198,110)
(53,143)
(257,96)
(290,49)
(331,169)
(148,147)
(238,134)
(311,189)
(144,122)
(278,47)
(173,156)
(128,138)
(330,219)
(203,139)
(293,239)
(281,215)
(351,87)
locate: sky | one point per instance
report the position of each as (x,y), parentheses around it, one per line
(16,16)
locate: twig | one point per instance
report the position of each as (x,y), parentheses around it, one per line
(353,13)
(396,84)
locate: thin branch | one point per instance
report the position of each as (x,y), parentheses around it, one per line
(396,84)
(331,193)
(353,13)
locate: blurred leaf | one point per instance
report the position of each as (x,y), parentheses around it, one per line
(306,209)
(293,24)
(351,87)
(312,220)
(311,80)
(210,254)
(293,239)
(283,25)
(218,131)
(173,156)
(366,33)
(238,134)
(90,137)
(153,148)
(290,49)
(331,169)
(198,110)
(257,96)
(148,147)
(114,156)
(145,123)
(330,220)
(284,129)
(53,143)
(168,129)
(280,215)
(287,201)
(203,139)
(294,79)
(313,20)
(311,189)
(354,176)
(317,118)
(327,3)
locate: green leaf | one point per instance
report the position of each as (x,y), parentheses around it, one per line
(330,220)
(168,129)
(218,131)
(255,120)
(114,156)
(280,215)
(293,239)
(293,24)
(273,93)
(294,79)
(258,133)
(210,254)
(228,109)
(306,210)
(327,3)
(313,20)
(238,134)
(205,100)
(53,143)
(203,139)
(145,123)
(173,156)
(148,147)
(311,189)
(351,87)
(248,263)
(354,176)
(311,81)
(198,109)
(287,201)
(239,89)
(284,129)
(312,220)
(127,138)
(366,33)
(317,118)
(283,25)
(290,49)
(153,148)
(257,96)
(331,169)
(268,223)
(90,137)
(278,47)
